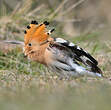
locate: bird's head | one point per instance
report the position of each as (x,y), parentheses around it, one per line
(35,36)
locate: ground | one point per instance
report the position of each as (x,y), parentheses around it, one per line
(27,85)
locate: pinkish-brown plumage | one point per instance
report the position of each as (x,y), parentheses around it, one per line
(57,53)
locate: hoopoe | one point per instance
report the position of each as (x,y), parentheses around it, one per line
(57,53)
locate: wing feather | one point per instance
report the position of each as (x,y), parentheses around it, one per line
(80,55)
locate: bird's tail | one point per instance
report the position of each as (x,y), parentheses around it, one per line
(83,71)
(94,68)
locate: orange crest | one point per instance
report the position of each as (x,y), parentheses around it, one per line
(36,32)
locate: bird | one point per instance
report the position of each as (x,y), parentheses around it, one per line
(58,54)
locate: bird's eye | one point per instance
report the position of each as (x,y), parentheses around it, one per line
(30,44)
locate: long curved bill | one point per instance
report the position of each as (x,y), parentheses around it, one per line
(14,42)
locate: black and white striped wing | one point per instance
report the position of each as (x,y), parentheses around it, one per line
(80,54)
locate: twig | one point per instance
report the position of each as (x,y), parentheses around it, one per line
(72,7)
(58,9)
(68,20)
(16,9)
(25,7)
(35,10)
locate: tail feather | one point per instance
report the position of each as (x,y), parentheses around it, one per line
(94,68)
(83,71)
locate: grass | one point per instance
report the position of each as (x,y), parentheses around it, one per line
(27,85)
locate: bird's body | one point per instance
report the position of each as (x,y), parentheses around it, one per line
(57,53)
